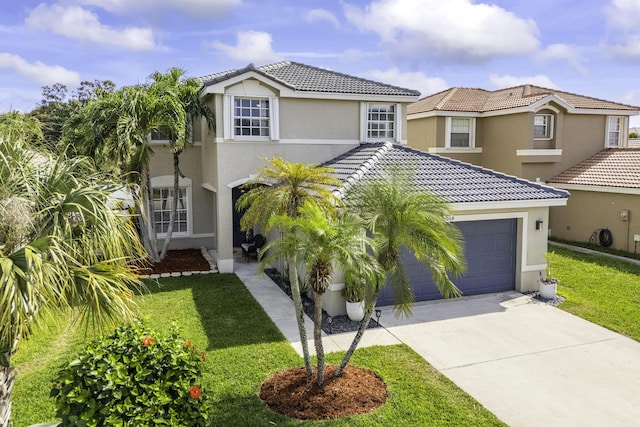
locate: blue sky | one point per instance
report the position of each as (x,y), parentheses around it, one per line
(589,47)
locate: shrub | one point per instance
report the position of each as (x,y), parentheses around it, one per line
(133,377)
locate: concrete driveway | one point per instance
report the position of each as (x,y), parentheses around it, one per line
(529,363)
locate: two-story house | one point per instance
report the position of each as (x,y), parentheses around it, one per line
(308,114)
(537,134)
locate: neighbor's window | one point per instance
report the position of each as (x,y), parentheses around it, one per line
(542,126)
(162,202)
(381,119)
(460,132)
(160,135)
(251,117)
(614,131)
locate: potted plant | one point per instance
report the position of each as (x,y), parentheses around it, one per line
(547,284)
(353,292)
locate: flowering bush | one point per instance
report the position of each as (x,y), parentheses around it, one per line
(133,377)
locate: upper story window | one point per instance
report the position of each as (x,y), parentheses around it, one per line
(615,132)
(460,132)
(251,117)
(161,135)
(381,122)
(543,126)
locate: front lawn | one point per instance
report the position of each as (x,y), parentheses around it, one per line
(602,290)
(243,347)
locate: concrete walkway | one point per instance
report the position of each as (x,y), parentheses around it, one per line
(529,363)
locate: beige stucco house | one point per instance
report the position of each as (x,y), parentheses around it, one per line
(605,195)
(308,114)
(537,134)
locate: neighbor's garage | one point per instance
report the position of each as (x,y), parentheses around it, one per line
(490,253)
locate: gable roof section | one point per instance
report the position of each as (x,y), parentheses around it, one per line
(612,167)
(482,101)
(455,181)
(306,78)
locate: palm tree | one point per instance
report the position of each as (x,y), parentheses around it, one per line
(184,99)
(116,129)
(400,215)
(280,189)
(61,246)
(323,240)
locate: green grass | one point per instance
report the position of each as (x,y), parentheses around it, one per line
(243,348)
(602,290)
(598,248)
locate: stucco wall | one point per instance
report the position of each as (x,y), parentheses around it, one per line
(589,211)
(319,119)
(423,133)
(502,136)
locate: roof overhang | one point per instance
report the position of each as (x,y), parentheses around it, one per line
(596,188)
(512,204)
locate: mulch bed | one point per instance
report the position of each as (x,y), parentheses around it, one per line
(178,261)
(296,395)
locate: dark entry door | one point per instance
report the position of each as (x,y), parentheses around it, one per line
(238,234)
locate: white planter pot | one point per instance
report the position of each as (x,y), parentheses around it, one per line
(548,289)
(355,310)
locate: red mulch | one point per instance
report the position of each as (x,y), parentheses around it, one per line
(294,394)
(178,261)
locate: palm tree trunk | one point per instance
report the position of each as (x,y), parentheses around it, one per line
(297,302)
(317,336)
(7,377)
(356,340)
(147,221)
(174,205)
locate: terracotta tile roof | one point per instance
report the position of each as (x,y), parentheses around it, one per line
(612,167)
(480,100)
(455,181)
(306,78)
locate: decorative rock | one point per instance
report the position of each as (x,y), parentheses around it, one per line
(165,275)
(176,274)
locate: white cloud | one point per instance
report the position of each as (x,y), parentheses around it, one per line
(504,81)
(38,72)
(409,80)
(563,52)
(623,36)
(195,8)
(319,15)
(623,14)
(77,23)
(251,46)
(460,30)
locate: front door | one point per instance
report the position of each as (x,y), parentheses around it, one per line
(238,235)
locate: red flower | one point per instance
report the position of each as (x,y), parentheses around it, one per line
(195,392)
(203,357)
(147,341)
(187,344)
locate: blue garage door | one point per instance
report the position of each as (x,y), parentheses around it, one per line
(490,253)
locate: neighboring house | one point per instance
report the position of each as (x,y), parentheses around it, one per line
(605,194)
(308,114)
(531,132)
(527,131)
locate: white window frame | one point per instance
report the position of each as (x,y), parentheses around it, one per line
(622,132)
(548,126)
(472,132)
(364,120)
(229,124)
(166,182)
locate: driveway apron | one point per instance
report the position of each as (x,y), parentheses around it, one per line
(529,363)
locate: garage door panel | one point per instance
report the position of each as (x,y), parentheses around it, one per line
(490,253)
